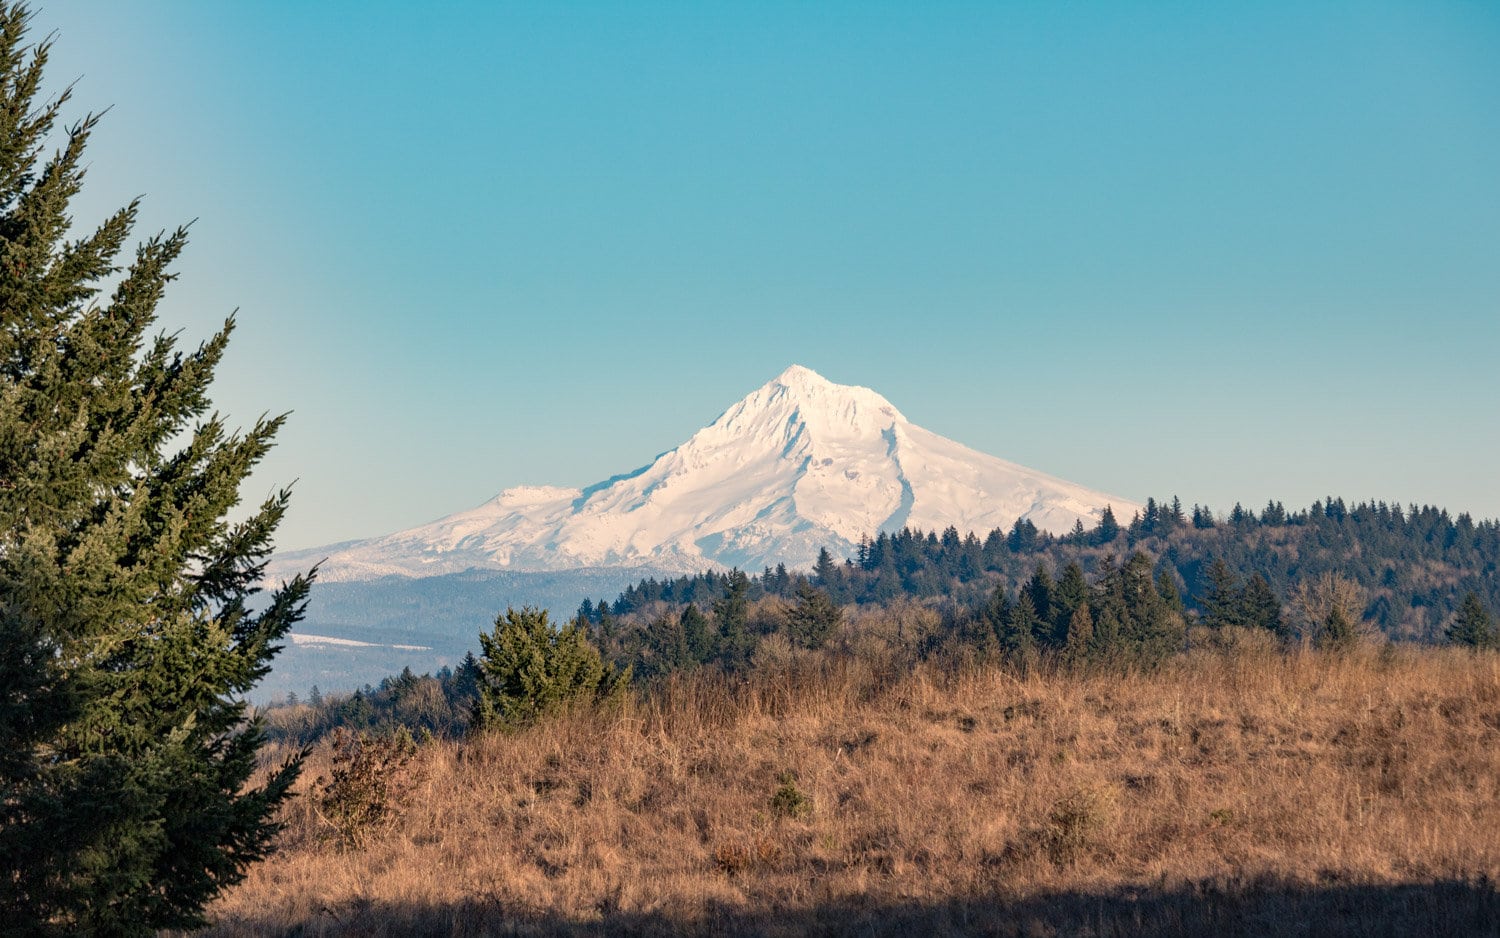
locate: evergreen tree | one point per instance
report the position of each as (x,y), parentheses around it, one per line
(1041,588)
(465,683)
(607,627)
(1338,632)
(667,641)
(1072,591)
(826,571)
(1018,633)
(992,622)
(1108,528)
(1078,535)
(1149,521)
(1174,516)
(1473,627)
(1023,537)
(1259,607)
(1078,644)
(356,711)
(695,633)
(814,618)
(1166,588)
(1152,630)
(732,613)
(528,667)
(127,637)
(1221,601)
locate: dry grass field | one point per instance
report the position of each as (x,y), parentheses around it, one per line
(1244,793)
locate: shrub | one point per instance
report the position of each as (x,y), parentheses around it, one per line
(789,801)
(365,784)
(529,667)
(1075,822)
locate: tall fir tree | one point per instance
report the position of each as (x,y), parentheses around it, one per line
(1108,528)
(732,615)
(1078,644)
(814,619)
(1018,632)
(1072,591)
(1221,604)
(1473,627)
(127,633)
(1259,607)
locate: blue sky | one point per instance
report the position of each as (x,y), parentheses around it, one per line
(1227,251)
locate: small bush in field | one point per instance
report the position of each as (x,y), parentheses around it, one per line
(789,801)
(1074,824)
(364,786)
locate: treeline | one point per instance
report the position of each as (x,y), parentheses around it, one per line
(1412,567)
(440,704)
(1325,576)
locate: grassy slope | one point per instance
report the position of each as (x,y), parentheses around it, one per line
(1247,794)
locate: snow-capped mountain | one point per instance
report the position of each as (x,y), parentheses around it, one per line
(800,464)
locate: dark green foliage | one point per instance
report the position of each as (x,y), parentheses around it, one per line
(1473,627)
(439,704)
(1151,630)
(1406,560)
(732,616)
(1259,607)
(1228,602)
(813,619)
(678,642)
(1072,591)
(1338,633)
(1220,604)
(529,667)
(1108,528)
(826,571)
(1078,642)
(1018,629)
(789,800)
(127,634)
(1166,587)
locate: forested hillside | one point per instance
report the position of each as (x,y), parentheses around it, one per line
(1412,567)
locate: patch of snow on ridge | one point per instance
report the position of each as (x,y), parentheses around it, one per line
(799,464)
(299,638)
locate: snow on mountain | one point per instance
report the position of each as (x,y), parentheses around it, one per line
(800,464)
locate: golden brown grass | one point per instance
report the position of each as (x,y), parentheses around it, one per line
(1228,793)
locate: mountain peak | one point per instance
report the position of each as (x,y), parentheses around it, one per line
(800,376)
(800,404)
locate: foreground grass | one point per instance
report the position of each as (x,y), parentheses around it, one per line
(1227,794)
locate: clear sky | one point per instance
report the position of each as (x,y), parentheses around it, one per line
(1228,251)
